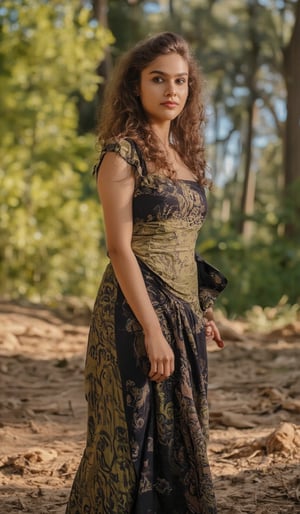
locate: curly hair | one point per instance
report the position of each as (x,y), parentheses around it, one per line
(122,114)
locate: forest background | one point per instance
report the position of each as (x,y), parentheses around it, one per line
(55,58)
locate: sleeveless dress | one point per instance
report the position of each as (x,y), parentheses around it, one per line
(146,442)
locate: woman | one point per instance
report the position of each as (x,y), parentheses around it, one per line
(146,364)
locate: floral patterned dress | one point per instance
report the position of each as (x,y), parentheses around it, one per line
(146,442)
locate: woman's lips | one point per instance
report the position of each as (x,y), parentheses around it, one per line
(169,105)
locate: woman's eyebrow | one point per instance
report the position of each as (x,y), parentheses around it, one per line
(166,74)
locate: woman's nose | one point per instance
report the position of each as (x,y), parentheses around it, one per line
(170,90)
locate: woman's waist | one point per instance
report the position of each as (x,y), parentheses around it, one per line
(165,241)
(176,268)
(167,250)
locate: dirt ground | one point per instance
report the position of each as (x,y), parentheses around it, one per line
(254,396)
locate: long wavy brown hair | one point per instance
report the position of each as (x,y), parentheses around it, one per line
(122,114)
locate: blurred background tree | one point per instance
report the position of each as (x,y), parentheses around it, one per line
(49,223)
(54,61)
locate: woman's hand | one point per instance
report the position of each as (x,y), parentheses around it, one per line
(212,332)
(161,357)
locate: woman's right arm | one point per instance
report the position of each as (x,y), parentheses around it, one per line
(116,187)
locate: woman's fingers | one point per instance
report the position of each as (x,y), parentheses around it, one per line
(161,357)
(209,331)
(161,369)
(219,342)
(156,370)
(212,332)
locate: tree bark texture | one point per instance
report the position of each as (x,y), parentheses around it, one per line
(100,8)
(292,129)
(248,194)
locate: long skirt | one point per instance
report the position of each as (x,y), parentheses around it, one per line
(146,449)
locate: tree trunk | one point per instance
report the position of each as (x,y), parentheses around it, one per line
(100,8)
(171,8)
(248,195)
(292,130)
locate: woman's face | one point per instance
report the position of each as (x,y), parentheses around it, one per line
(164,88)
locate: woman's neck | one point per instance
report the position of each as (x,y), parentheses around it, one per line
(162,134)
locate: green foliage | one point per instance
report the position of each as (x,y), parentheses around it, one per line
(49,234)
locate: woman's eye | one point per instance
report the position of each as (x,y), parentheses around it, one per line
(157,80)
(181,81)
